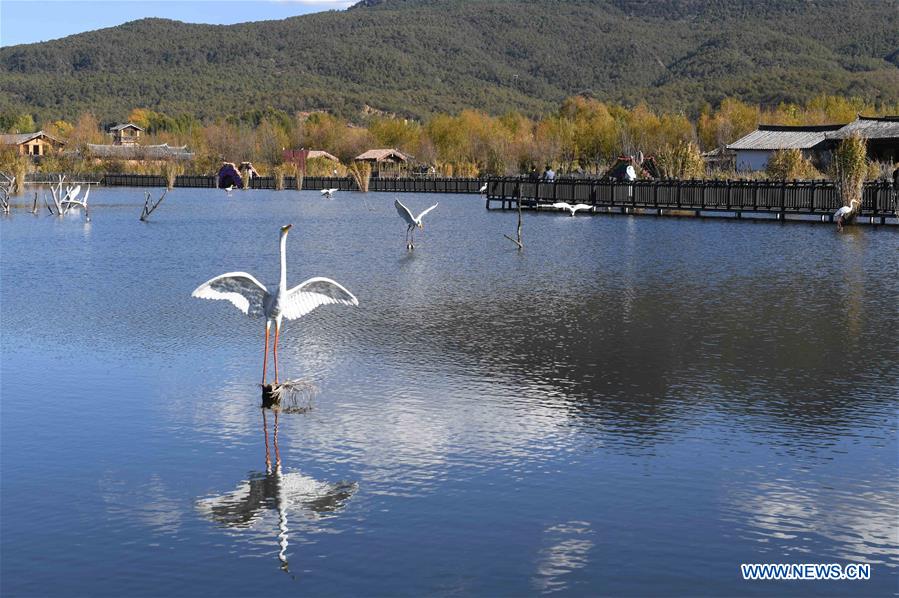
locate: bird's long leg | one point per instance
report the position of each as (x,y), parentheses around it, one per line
(277,330)
(265,353)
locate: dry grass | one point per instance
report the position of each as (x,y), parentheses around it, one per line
(791,164)
(361,173)
(680,161)
(849,167)
(171,170)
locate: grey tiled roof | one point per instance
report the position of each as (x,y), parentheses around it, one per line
(775,137)
(884,127)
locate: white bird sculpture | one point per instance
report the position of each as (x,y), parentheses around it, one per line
(845,212)
(329,193)
(630,174)
(411,220)
(564,205)
(483,189)
(252,298)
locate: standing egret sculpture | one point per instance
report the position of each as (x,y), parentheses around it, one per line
(564,205)
(845,213)
(252,298)
(329,193)
(411,220)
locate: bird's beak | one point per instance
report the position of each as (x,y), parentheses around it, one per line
(286,228)
(421,226)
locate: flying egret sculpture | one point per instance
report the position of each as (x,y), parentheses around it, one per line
(252,298)
(411,220)
(564,205)
(329,193)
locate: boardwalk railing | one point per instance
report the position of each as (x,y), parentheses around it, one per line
(784,197)
(398,185)
(799,197)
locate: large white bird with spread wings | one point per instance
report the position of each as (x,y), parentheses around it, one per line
(564,205)
(329,193)
(252,298)
(411,220)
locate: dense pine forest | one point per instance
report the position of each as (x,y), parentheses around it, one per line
(418,58)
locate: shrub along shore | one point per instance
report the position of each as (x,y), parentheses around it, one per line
(583,136)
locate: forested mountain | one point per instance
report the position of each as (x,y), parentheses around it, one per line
(419,57)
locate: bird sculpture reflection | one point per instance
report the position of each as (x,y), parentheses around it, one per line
(411,220)
(564,205)
(252,298)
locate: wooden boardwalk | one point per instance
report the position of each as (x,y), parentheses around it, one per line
(399,185)
(776,200)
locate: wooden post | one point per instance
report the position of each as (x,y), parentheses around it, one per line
(783,198)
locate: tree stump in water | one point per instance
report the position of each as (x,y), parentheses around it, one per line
(270,398)
(290,396)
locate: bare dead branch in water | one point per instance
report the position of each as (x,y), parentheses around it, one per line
(518,241)
(148,209)
(6,187)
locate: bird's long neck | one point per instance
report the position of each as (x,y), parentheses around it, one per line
(282,283)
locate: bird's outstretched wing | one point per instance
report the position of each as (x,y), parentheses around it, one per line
(240,288)
(562,205)
(422,215)
(404,212)
(581,206)
(308,295)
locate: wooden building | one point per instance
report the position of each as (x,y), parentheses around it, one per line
(881,134)
(753,150)
(320,160)
(32,144)
(386,162)
(126,134)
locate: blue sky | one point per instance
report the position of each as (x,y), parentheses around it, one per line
(28,21)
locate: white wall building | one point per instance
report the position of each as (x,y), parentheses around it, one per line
(754,150)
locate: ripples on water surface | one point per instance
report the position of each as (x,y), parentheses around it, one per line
(631,406)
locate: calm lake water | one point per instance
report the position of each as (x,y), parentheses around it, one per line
(631,406)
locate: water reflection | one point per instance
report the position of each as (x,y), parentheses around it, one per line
(569,550)
(284,493)
(786,517)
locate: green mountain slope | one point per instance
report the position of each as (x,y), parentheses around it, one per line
(419,57)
